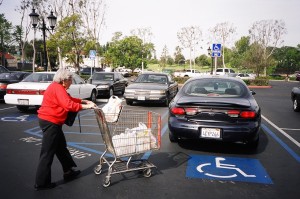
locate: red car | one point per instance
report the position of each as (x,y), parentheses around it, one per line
(298,76)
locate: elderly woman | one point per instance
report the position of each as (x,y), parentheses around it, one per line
(52,115)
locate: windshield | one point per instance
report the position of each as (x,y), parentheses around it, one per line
(10,76)
(39,77)
(152,78)
(215,88)
(103,77)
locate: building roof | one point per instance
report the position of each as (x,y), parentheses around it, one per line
(7,56)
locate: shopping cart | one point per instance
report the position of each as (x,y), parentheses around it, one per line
(132,133)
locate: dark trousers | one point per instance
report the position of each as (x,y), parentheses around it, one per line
(53,143)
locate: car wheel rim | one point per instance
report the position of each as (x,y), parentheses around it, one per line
(295,104)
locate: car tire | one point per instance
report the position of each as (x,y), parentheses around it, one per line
(22,108)
(128,102)
(296,105)
(173,138)
(93,96)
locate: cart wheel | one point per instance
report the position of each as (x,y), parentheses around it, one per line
(98,169)
(106,182)
(147,173)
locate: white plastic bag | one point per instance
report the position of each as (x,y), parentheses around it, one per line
(112,109)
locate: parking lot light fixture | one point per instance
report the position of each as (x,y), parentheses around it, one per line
(34,17)
(210,54)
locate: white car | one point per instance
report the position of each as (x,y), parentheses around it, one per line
(29,92)
(224,71)
(245,76)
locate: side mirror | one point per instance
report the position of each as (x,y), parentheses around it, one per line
(252,92)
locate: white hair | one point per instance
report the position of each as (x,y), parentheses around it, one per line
(62,74)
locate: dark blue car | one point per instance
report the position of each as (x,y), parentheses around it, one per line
(215,108)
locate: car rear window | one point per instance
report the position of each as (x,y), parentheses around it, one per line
(215,88)
(39,77)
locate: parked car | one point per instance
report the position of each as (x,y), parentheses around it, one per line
(3,69)
(108,83)
(245,76)
(9,78)
(29,92)
(295,96)
(151,87)
(87,70)
(224,71)
(215,108)
(298,76)
(187,73)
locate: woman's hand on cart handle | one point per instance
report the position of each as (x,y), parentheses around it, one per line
(90,105)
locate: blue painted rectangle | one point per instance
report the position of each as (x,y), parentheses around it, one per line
(227,168)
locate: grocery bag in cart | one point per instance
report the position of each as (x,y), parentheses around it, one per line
(133,132)
(112,109)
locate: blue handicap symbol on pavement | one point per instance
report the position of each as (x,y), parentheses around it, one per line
(18,118)
(227,168)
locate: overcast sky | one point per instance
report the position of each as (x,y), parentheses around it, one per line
(167,17)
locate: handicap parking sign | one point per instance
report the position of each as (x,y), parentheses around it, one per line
(227,168)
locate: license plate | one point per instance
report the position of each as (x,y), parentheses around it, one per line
(141,98)
(210,132)
(23,101)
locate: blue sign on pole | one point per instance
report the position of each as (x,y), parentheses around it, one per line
(216,50)
(227,168)
(92,54)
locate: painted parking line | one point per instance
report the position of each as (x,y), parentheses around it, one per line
(282,143)
(227,169)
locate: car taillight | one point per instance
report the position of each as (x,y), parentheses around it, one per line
(191,111)
(3,86)
(25,92)
(242,114)
(248,114)
(178,111)
(184,111)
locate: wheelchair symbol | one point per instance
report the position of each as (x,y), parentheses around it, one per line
(21,118)
(220,165)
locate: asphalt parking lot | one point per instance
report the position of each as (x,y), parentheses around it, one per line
(189,169)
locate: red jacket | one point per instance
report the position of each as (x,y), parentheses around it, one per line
(56,104)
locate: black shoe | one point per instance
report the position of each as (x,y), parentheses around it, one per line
(71,174)
(45,187)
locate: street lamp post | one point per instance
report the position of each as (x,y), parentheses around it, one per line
(212,60)
(52,21)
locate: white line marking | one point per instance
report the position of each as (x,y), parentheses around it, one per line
(7,108)
(290,129)
(281,131)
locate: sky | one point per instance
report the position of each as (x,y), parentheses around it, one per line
(166,17)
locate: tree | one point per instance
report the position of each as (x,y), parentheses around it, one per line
(287,60)
(145,34)
(126,52)
(268,34)
(254,58)
(202,60)
(70,39)
(238,52)
(189,37)
(5,36)
(164,57)
(223,33)
(178,56)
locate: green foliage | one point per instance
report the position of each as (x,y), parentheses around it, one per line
(259,81)
(129,52)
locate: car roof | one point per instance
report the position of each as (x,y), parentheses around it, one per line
(216,77)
